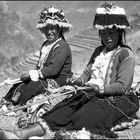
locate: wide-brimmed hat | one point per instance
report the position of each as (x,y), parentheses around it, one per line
(53,16)
(109,15)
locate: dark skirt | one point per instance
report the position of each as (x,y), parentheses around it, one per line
(30,89)
(94,113)
(27,91)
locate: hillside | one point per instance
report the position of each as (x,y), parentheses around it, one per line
(15,41)
(19,37)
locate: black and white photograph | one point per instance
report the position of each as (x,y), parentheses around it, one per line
(69,70)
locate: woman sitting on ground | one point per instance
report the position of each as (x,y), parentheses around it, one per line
(55,61)
(109,73)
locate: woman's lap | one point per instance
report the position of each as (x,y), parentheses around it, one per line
(95,114)
(128,105)
(30,90)
(27,90)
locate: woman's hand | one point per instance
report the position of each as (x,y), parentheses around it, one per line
(136,89)
(74,81)
(34,75)
(25,77)
(94,87)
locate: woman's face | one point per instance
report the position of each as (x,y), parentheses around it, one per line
(51,32)
(110,37)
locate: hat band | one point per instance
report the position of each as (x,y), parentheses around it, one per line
(43,19)
(63,24)
(102,21)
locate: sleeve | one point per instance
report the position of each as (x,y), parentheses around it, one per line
(85,76)
(59,55)
(124,77)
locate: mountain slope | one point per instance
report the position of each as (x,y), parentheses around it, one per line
(19,37)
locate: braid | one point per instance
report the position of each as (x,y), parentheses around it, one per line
(123,36)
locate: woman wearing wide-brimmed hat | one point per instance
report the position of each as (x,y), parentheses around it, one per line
(54,65)
(109,73)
